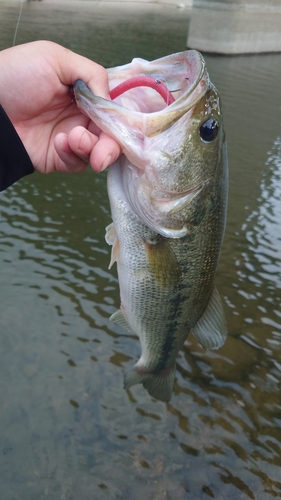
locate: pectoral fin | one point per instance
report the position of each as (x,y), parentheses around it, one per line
(112,239)
(211,329)
(163,263)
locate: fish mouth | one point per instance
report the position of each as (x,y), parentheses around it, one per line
(174,77)
(141,112)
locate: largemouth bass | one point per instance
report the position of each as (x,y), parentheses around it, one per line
(168,197)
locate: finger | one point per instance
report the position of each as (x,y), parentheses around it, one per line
(74,67)
(68,161)
(93,128)
(81,141)
(104,153)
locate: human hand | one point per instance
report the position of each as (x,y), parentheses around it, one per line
(34,91)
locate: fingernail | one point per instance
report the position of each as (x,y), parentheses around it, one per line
(85,143)
(106,163)
(63,142)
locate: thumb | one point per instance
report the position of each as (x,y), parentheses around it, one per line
(74,67)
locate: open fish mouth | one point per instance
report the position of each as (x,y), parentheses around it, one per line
(174,78)
(148,96)
(151,116)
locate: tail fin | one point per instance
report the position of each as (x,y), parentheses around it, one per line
(159,385)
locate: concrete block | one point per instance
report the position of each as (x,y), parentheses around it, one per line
(235,26)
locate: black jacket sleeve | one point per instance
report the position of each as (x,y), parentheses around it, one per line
(14,160)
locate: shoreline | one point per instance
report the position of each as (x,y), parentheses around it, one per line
(182,4)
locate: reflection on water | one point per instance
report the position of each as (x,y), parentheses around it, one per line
(68,429)
(266,243)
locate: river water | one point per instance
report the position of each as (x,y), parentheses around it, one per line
(68,429)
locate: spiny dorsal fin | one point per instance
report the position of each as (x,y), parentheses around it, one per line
(211,329)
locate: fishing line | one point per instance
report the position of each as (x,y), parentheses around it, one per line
(18,22)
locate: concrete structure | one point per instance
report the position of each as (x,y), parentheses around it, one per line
(177,3)
(235,26)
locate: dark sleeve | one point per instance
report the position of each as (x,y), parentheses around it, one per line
(14,160)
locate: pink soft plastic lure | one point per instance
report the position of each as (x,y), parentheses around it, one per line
(143,81)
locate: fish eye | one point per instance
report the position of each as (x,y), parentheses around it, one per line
(209,130)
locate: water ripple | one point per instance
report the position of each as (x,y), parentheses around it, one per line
(71,431)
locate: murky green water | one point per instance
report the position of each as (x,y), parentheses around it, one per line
(68,429)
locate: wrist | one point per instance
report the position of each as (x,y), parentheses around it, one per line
(14,159)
